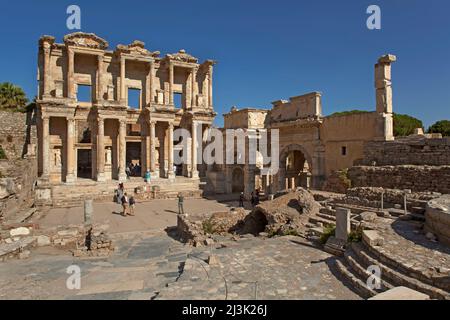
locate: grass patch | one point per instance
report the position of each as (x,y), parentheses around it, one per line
(2,154)
(208,227)
(328,231)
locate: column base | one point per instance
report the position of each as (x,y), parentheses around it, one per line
(70,178)
(154,174)
(122,177)
(171,175)
(101,177)
(194,174)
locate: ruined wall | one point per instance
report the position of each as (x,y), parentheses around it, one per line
(19,171)
(415,150)
(350,132)
(416,178)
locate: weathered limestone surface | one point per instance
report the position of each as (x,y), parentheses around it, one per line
(437,218)
(415,178)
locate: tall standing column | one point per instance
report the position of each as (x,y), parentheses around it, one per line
(152,147)
(101,150)
(151,95)
(45,147)
(122,150)
(170,172)
(99,85)
(170,83)
(210,88)
(122,80)
(47,73)
(70,146)
(194,171)
(194,87)
(70,71)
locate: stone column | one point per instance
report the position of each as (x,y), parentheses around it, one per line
(383,84)
(210,87)
(99,85)
(100,150)
(293,183)
(47,73)
(45,147)
(170,83)
(70,71)
(122,80)
(70,147)
(152,147)
(170,172)
(194,147)
(122,150)
(194,87)
(151,97)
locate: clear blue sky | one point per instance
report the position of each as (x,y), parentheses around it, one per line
(267,50)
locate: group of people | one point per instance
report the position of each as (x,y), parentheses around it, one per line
(127,202)
(133,170)
(254,200)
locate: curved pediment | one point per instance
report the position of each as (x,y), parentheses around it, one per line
(87,40)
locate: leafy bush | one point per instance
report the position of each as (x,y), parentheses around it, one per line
(343,177)
(344,113)
(442,126)
(404,125)
(208,227)
(355,235)
(328,231)
(2,154)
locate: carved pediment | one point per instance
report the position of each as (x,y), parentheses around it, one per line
(182,56)
(88,40)
(138,48)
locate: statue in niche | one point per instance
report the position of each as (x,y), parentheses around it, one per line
(57,157)
(108,156)
(157,158)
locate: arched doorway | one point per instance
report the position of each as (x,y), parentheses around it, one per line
(295,168)
(237,180)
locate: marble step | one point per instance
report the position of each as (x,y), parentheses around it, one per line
(395,276)
(355,282)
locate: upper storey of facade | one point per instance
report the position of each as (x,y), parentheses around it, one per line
(83,73)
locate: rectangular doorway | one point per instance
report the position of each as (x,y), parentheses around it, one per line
(84,163)
(133,158)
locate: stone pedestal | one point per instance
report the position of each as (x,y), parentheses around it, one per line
(343,227)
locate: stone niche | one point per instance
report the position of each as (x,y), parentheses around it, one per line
(437,218)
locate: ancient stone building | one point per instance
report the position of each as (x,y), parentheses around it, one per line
(89,127)
(311,146)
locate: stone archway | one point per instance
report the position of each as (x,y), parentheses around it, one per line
(237,182)
(295,168)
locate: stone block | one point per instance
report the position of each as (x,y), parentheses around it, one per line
(372,238)
(21,231)
(43,241)
(343,226)
(401,293)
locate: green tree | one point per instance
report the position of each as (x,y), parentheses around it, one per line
(442,126)
(12,97)
(404,125)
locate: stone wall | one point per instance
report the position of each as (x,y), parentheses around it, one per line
(18,173)
(411,150)
(414,177)
(437,218)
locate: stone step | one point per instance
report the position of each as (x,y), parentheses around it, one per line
(394,276)
(361,270)
(418,210)
(325,222)
(326,216)
(356,283)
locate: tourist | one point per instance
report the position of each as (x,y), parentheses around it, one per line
(241,200)
(252,201)
(128,171)
(147,176)
(180,203)
(119,193)
(132,204)
(257,197)
(125,204)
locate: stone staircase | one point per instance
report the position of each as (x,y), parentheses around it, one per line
(72,195)
(359,256)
